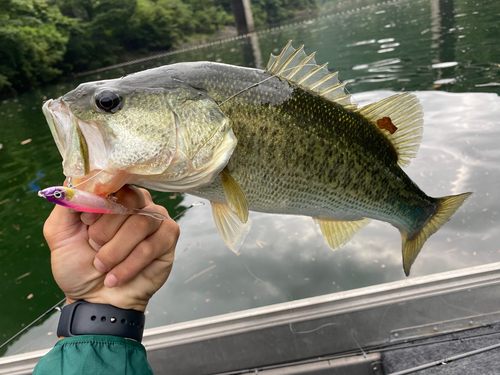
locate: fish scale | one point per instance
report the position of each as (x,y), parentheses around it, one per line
(290,147)
(287,140)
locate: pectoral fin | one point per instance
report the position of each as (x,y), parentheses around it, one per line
(337,233)
(232,230)
(234,195)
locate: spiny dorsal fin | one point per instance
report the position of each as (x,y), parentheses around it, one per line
(337,233)
(234,195)
(232,230)
(300,69)
(405,112)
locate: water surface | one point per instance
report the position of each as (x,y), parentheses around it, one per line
(444,51)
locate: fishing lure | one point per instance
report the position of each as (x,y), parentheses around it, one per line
(83,201)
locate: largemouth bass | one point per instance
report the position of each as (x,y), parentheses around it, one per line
(285,140)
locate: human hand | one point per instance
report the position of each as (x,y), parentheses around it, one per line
(121,260)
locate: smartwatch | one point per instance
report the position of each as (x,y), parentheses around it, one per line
(84,318)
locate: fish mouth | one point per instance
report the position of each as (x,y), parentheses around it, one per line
(80,143)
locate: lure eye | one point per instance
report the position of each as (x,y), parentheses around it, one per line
(57,194)
(108,101)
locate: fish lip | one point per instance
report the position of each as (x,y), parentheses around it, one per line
(65,127)
(58,117)
(54,125)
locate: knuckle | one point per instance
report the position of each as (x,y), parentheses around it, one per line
(146,250)
(173,228)
(124,272)
(98,234)
(147,194)
(160,209)
(163,211)
(109,256)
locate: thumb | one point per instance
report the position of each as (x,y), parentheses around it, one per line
(61,225)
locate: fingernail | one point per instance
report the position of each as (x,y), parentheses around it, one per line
(110,281)
(94,245)
(99,265)
(89,218)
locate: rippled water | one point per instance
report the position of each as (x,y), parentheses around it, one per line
(445,51)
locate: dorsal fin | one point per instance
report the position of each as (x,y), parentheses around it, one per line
(405,113)
(300,69)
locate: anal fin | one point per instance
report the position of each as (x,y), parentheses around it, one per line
(337,233)
(232,230)
(234,195)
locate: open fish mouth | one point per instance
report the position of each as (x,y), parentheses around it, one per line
(185,162)
(80,143)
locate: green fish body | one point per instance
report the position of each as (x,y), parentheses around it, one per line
(285,140)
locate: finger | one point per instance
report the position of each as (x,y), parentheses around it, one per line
(131,233)
(61,225)
(133,197)
(157,248)
(106,226)
(159,270)
(89,218)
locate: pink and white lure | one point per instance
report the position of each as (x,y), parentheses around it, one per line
(83,201)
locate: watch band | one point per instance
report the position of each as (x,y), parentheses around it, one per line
(84,318)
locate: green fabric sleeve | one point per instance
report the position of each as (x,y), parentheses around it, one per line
(95,355)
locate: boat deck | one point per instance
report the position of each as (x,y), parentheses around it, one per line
(447,350)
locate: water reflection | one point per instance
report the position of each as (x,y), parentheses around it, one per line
(286,257)
(443,41)
(386,70)
(289,252)
(251,51)
(443,38)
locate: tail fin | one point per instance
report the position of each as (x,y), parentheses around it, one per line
(413,242)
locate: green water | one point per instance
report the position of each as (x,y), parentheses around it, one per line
(447,51)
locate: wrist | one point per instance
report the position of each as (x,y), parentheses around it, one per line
(116,302)
(84,318)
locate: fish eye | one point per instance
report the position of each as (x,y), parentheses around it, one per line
(57,194)
(108,101)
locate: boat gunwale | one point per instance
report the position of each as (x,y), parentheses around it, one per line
(294,311)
